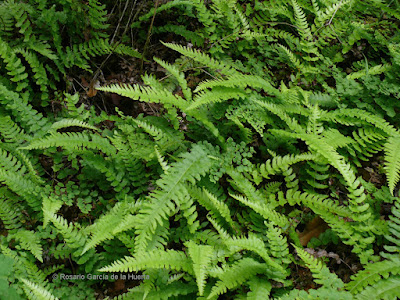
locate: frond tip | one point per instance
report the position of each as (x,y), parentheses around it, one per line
(392,158)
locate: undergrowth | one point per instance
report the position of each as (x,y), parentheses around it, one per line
(254,167)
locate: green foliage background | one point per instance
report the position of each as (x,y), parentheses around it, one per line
(267,118)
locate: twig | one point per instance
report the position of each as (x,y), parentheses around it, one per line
(148,36)
(119,22)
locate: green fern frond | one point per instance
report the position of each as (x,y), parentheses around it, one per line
(10,213)
(30,241)
(35,292)
(216,95)
(179,76)
(238,81)
(229,279)
(280,112)
(201,256)
(376,70)
(378,122)
(14,66)
(392,164)
(104,228)
(73,140)
(190,168)
(72,233)
(301,21)
(278,164)
(11,132)
(384,289)
(24,114)
(65,123)
(223,67)
(372,274)
(320,272)
(256,245)
(265,211)
(160,259)
(146,94)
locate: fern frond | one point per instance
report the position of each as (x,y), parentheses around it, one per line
(372,274)
(385,289)
(265,211)
(277,110)
(238,81)
(28,118)
(146,94)
(10,213)
(104,228)
(201,256)
(278,164)
(64,123)
(301,21)
(190,168)
(256,245)
(30,241)
(223,67)
(392,164)
(179,76)
(320,272)
(72,234)
(35,292)
(160,259)
(216,95)
(229,279)
(73,140)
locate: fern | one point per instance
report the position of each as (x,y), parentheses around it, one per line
(171,259)
(201,257)
(160,204)
(392,167)
(34,291)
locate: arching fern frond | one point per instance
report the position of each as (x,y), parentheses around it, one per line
(146,94)
(73,140)
(65,123)
(223,67)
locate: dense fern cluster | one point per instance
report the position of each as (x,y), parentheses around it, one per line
(206,199)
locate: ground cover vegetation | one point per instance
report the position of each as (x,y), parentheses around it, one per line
(218,149)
